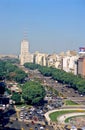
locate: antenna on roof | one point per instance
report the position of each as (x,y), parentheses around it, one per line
(25,34)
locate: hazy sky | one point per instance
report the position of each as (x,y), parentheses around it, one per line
(52,25)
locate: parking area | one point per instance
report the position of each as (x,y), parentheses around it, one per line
(35,114)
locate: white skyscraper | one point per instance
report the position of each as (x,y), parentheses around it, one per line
(24,53)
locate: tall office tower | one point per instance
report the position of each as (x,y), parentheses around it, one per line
(24,54)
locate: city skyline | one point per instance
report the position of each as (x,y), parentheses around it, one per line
(53,26)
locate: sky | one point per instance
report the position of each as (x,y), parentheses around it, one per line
(51,26)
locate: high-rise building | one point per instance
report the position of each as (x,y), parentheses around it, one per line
(24,52)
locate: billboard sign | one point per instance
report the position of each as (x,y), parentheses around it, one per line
(82,50)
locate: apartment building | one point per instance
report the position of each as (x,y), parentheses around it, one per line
(54,60)
(81,66)
(70,64)
(40,58)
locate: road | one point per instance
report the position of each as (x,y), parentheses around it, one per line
(11,122)
(17,125)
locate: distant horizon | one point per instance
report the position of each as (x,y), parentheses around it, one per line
(37,51)
(52,26)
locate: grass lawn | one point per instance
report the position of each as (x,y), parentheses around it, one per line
(69,102)
(53,116)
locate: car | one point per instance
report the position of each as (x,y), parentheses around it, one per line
(32,122)
(39,124)
(27,118)
(31,129)
(21,117)
(25,113)
(27,124)
(41,128)
(11,122)
(30,112)
(36,128)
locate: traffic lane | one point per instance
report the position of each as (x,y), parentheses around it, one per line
(8,114)
(69,92)
(16,125)
(37,126)
(13,125)
(65,89)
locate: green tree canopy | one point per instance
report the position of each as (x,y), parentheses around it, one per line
(11,71)
(33,92)
(16,97)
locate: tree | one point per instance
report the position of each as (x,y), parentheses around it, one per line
(8,91)
(16,97)
(33,92)
(11,71)
(31,65)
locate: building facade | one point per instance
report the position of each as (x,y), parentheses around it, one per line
(25,56)
(81,66)
(69,64)
(40,58)
(54,60)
